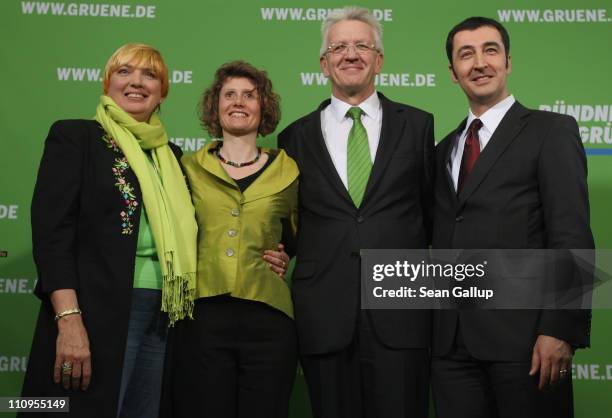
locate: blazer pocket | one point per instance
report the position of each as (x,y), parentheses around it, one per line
(304,270)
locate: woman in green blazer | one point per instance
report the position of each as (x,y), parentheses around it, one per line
(238,355)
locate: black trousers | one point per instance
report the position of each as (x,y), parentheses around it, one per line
(368,379)
(465,387)
(236,359)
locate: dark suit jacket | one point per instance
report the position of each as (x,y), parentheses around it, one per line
(395,213)
(84,238)
(528,189)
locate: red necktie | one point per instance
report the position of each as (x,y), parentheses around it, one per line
(471,152)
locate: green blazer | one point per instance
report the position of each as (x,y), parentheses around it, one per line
(234,228)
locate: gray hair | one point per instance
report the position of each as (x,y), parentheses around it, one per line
(351,13)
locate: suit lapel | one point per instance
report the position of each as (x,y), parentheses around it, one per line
(274,179)
(320,154)
(392,127)
(210,163)
(446,162)
(510,126)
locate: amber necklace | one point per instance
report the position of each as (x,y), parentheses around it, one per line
(217,152)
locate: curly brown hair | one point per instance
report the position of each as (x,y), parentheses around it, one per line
(268,99)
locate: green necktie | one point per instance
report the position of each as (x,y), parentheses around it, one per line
(359,163)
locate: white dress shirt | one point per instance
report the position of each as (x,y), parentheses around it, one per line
(336,125)
(490,121)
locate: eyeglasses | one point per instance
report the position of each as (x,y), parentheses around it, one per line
(342,48)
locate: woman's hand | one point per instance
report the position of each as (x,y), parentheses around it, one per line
(72,356)
(277,260)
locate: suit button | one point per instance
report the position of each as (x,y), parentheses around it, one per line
(235,212)
(360,219)
(232,233)
(229,252)
(459,218)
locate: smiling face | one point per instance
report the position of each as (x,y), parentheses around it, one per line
(239,107)
(135,89)
(480,66)
(352,73)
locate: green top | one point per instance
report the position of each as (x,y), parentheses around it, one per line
(234,228)
(147,271)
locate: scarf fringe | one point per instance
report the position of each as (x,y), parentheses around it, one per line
(178,295)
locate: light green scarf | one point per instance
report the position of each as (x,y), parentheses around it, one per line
(166,199)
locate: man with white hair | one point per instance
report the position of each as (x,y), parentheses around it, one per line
(366,167)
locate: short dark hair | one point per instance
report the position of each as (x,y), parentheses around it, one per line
(473,23)
(268,99)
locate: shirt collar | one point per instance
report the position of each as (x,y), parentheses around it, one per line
(494,115)
(370,107)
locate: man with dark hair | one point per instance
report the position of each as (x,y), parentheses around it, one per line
(507,177)
(474,23)
(366,181)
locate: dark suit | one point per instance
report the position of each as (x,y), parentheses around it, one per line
(527,190)
(395,213)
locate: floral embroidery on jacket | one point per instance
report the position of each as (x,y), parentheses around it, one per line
(111,143)
(125,188)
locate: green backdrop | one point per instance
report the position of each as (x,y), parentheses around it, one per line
(52,54)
